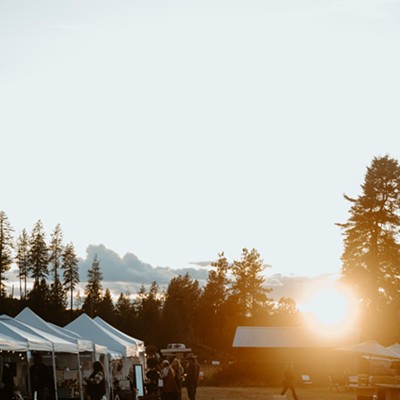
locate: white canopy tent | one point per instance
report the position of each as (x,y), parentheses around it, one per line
(88,328)
(28,317)
(58,344)
(136,342)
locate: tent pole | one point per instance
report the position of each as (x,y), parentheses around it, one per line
(53,355)
(80,375)
(28,360)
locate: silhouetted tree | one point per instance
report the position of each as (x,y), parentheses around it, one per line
(106,309)
(39,299)
(125,313)
(180,309)
(285,313)
(6,247)
(57,292)
(38,254)
(93,288)
(22,260)
(248,291)
(148,307)
(70,271)
(212,304)
(371,256)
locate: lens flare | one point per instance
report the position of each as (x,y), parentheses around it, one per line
(330,311)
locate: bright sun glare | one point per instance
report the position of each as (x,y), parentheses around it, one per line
(330,311)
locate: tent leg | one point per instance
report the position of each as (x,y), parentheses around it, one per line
(53,355)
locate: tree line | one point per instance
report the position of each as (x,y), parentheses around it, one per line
(185,311)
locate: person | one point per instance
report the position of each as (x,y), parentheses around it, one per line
(179,375)
(96,384)
(152,377)
(41,379)
(288,381)
(7,383)
(192,376)
(169,390)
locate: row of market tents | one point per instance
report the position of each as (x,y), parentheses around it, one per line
(69,350)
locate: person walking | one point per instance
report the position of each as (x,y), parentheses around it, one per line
(192,376)
(288,381)
(96,384)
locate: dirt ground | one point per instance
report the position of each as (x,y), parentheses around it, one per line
(259,393)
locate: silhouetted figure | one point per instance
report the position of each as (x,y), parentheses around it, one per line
(41,379)
(288,381)
(96,384)
(152,377)
(7,383)
(192,376)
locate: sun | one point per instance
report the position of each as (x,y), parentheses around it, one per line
(331,310)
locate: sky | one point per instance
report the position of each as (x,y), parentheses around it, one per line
(174,130)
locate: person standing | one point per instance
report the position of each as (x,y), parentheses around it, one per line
(179,375)
(192,376)
(41,379)
(288,381)
(96,384)
(7,383)
(169,390)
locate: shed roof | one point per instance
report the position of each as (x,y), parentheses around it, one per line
(288,337)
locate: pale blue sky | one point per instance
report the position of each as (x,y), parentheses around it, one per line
(178,129)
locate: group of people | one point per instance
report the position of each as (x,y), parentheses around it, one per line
(165,379)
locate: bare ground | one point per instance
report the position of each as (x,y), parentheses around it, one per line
(260,393)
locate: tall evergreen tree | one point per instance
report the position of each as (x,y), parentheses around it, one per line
(6,247)
(70,271)
(371,256)
(180,309)
(212,304)
(57,292)
(38,254)
(106,309)
(93,290)
(248,291)
(125,313)
(22,261)
(149,307)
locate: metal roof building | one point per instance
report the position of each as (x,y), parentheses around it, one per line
(289,337)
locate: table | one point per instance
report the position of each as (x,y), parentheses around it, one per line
(391,390)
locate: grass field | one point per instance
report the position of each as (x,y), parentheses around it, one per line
(259,393)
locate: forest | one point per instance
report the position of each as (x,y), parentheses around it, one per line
(235,293)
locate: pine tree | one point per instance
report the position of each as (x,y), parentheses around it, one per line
(212,303)
(248,290)
(38,254)
(6,247)
(180,309)
(22,261)
(106,309)
(93,288)
(149,306)
(70,271)
(371,256)
(57,292)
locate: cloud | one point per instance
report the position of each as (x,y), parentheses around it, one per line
(201,263)
(129,271)
(297,287)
